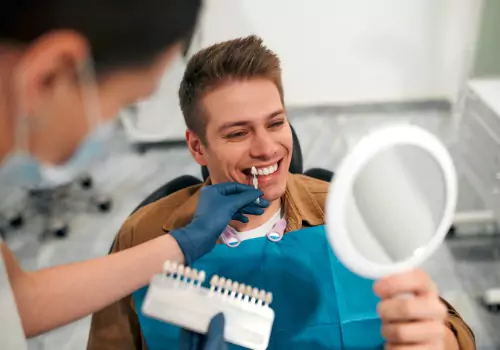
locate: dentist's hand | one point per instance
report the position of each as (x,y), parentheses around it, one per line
(213,340)
(417,321)
(217,206)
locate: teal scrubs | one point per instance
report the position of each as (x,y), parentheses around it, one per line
(318,303)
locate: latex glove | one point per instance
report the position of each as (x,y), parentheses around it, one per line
(416,321)
(217,206)
(213,340)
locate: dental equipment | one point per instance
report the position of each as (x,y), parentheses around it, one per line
(177,296)
(255,181)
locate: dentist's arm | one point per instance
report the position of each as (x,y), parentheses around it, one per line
(53,297)
(56,296)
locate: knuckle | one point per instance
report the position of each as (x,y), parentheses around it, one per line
(440,309)
(440,330)
(402,334)
(423,278)
(385,310)
(406,307)
(399,334)
(394,333)
(381,310)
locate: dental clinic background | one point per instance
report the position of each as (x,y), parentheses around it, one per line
(348,66)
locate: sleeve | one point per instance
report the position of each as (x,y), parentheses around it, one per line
(116,327)
(462,331)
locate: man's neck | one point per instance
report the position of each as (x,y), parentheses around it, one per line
(258,220)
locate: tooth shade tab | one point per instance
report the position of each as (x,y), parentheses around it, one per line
(254,171)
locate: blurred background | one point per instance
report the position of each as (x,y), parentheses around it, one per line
(348,66)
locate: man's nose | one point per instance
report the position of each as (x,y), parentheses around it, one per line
(263,146)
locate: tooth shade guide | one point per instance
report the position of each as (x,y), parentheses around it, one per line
(176,296)
(262,297)
(234,289)
(241,291)
(187,273)
(201,277)
(269,298)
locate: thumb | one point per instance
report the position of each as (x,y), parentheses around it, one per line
(243,199)
(215,334)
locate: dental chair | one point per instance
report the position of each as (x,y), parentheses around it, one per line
(55,206)
(2,227)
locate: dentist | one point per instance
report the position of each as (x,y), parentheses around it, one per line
(66,70)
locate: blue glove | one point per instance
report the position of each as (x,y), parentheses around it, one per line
(213,340)
(217,206)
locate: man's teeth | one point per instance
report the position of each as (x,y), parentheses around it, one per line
(265,171)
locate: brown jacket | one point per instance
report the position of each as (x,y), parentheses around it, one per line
(117,326)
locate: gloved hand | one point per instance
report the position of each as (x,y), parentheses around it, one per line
(213,340)
(217,206)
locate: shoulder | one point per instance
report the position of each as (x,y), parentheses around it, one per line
(318,189)
(312,184)
(147,223)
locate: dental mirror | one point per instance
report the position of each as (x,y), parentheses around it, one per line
(392,201)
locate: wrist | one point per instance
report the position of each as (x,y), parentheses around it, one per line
(182,244)
(173,249)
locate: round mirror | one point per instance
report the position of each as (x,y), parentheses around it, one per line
(392,201)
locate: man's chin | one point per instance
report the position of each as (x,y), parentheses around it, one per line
(273,194)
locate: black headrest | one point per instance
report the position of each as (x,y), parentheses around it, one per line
(296,166)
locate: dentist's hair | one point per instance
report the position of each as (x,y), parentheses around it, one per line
(238,59)
(121,33)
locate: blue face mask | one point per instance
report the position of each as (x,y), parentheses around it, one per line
(22,169)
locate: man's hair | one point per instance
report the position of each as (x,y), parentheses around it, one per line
(238,59)
(121,33)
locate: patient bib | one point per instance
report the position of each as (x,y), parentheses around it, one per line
(318,303)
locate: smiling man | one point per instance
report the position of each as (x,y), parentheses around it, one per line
(232,100)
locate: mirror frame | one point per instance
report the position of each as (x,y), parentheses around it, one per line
(341,187)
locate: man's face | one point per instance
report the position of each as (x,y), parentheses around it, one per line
(246,126)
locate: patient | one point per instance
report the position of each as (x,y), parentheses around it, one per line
(232,100)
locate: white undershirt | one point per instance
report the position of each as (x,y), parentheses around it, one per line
(262,230)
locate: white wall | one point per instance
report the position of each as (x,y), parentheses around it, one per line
(159,118)
(354,51)
(333,52)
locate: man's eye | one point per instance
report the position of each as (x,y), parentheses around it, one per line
(236,135)
(277,124)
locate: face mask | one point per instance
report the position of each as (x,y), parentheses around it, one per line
(24,170)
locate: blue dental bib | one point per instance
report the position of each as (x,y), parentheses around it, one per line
(318,303)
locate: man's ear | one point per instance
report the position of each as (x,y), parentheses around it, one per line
(196,147)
